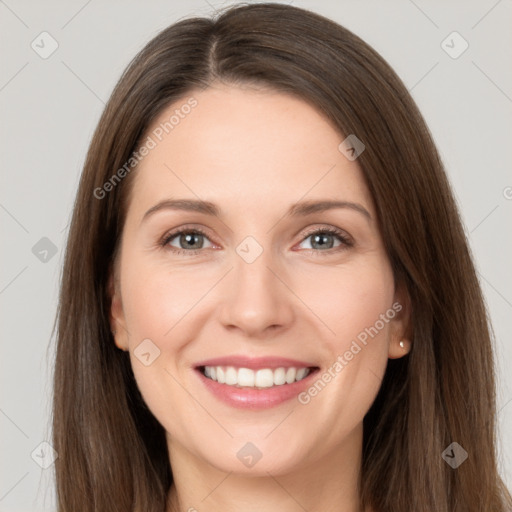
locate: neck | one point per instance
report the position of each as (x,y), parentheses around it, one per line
(323,483)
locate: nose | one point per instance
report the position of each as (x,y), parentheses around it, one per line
(257,299)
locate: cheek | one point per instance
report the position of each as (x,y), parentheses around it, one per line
(357,352)
(355,301)
(155,298)
(155,304)
(349,300)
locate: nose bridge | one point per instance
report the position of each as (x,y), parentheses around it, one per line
(253,278)
(256,299)
(252,266)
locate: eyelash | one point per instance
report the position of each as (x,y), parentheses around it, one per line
(346,242)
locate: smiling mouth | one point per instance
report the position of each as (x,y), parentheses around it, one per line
(263,378)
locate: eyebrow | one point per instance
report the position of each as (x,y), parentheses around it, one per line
(300,209)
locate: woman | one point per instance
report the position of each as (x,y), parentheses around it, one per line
(325,346)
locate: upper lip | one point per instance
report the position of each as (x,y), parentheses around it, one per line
(255,363)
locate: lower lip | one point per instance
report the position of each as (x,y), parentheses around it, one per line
(253,398)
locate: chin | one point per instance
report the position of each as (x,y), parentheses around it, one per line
(256,458)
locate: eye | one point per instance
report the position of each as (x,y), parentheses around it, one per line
(191,239)
(323,238)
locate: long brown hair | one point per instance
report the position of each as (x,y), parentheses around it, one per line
(112,451)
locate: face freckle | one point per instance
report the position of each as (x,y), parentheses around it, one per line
(261,284)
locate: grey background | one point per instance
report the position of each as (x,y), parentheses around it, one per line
(50,107)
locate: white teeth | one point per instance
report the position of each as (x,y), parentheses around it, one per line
(245,377)
(300,374)
(290,375)
(231,376)
(279,376)
(264,378)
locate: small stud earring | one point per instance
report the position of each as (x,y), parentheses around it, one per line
(114,332)
(402,344)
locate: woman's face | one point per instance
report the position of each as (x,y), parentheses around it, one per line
(262,295)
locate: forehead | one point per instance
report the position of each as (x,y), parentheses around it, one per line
(254,146)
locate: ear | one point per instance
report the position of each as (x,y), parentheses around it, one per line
(401,324)
(117,320)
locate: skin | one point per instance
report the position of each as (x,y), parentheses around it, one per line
(254,152)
